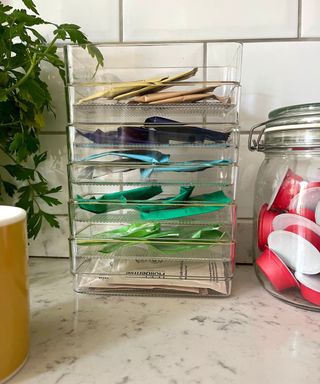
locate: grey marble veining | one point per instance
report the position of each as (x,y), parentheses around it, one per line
(248,338)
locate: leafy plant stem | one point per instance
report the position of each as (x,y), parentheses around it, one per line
(9,124)
(36,58)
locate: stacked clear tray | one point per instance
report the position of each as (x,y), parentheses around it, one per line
(181,239)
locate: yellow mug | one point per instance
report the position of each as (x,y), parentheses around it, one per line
(14,295)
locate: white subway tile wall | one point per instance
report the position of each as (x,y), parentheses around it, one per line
(203,19)
(57,121)
(310,18)
(278,74)
(98,19)
(249,163)
(280,68)
(55,167)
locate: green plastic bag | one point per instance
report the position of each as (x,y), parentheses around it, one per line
(143,193)
(152,231)
(135,230)
(161,204)
(162,248)
(168,214)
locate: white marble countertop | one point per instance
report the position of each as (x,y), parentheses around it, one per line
(249,338)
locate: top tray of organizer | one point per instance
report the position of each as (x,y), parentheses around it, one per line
(130,71)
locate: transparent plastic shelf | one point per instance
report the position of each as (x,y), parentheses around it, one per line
(111,143)
(212,112)
(150,252)
(221,176)
(219,224)
(137,270)
(111,94)
(126,62)
(153,142)
(225,215)
(185,229)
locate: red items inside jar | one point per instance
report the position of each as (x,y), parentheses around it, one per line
(296,198)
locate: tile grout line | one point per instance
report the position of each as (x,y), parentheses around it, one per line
(205,41)
(299,19)
(228,40)
(121,21)
(208,41)
(53,133)
(204,65)
(205,58)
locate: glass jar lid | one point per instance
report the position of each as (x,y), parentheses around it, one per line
(295,110)
(289,128)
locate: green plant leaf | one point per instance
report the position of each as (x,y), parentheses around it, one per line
(34,224)
(41,39)
(30,4)
(40,187)
(95,53)
(19,172)
(28,196)
(17,142)
(36,92)
(51,219)
(3,96)
(39,158)
(54,190)
(9,188)
(20,16)
(25,197)
(52,58)
(41,177)
(72,32)
(4,9)
(51,201)
(23,144)
(39,120)
(4,78)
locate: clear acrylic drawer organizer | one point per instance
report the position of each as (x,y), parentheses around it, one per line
(152,186)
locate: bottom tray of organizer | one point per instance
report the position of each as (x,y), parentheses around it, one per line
(187,268)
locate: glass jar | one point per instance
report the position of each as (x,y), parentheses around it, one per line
(287,204)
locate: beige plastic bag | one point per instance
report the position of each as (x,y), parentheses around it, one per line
(177,276)
(165,83)
(168,95)
(132,88)
(184,99)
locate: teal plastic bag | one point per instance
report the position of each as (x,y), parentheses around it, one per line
(184,166)
(147,156)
